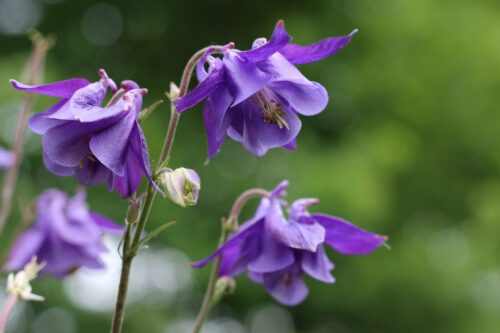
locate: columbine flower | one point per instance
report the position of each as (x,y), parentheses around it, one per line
(66,235)
(254,96)
(7,158)
(276,251)
(96,144)
(19,284)
(181,185)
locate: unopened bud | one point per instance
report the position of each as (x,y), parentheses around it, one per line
(174,91)
(224,286)
(181,185)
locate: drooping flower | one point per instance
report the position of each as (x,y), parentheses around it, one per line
(181,185)
(65,235)
(255,96)
(276,251)
(96,144)
(7,158)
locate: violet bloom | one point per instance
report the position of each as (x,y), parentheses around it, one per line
(277,251)
(96,144)
(7,158)
(254,96)
(65,234)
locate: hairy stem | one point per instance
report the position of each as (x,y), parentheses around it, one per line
(11,301)
(228,226)
(34,70)
(130,249)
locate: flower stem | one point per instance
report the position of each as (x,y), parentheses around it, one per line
(34,71)
(11,301)
(130,247)
(209,293)
(228,226)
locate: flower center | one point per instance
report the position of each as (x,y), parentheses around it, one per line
(269,108)
(90,155)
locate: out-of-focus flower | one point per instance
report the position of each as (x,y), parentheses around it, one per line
(65,235)
(19,284)
(96,144)
(7,158)
(254,96)
(181,185)
(276,251)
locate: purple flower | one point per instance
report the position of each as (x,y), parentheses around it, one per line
(254,96)
(7,158)
(276,251)
(96,144)
(65,234)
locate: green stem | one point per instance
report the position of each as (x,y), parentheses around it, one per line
(130,249)
(227,227)
(209,293)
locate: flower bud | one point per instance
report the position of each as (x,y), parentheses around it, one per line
(224,286)
(181,185)
(19,283)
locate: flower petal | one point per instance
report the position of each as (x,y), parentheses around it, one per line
(57,169)
(7,158)
(236,237)
(129,181)
(297,54)
(110,145)
(317,265)
(65,144)
(291,233)
(91,172)
(243,78)
(305,97)
(272,257)
(40,123)
(214,111)
(203,90)
(348,238)
(24,248)
(279,39)
(57,89)
(107,225)
(286,287)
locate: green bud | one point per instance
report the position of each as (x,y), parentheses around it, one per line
(181,185)
(224,286)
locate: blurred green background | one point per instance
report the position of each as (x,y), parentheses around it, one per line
(407,147)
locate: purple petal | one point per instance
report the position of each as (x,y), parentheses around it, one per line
(291,233)
(57,89)
(110,145)
(273,256)
(237,237)
(286,287)
(243,77)
(346,237)
(298,208)
(292,145)
(201,73)
(129,182)
(256,277)
(213,113)
(65,144)
(317,265)
(203,90)
(229,258)
(57,169)
(70,220)
(259,136)
(107,225)
(303,54)
(280,190)
(7,158)
(91,172)
(307,98)
(39,123)
(279,39)
(24,248)
(250,249)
